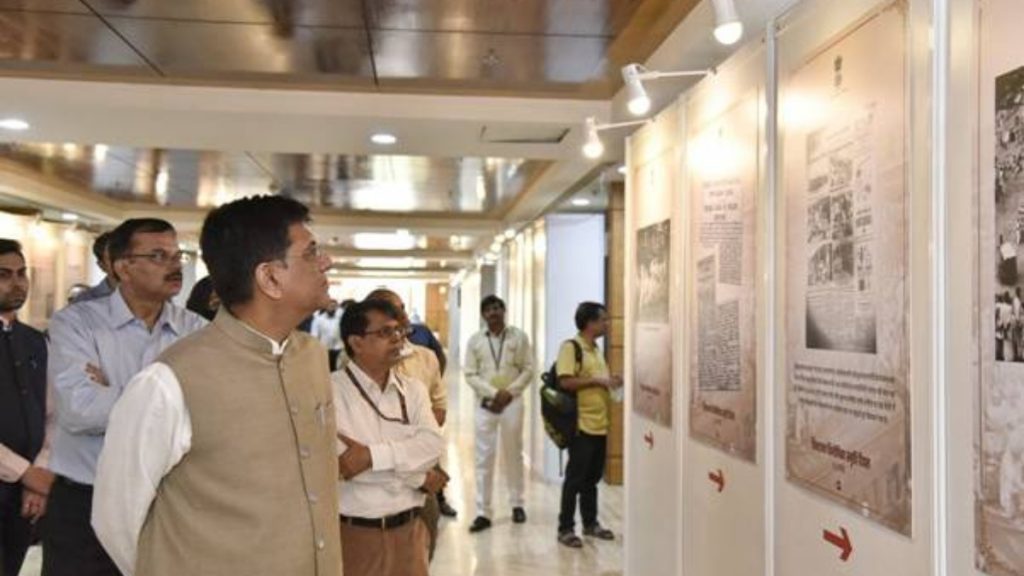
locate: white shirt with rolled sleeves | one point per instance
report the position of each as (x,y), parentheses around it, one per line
(401,453)
(148,433)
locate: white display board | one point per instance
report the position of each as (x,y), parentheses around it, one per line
(652,482)
(723,441)
(852,389)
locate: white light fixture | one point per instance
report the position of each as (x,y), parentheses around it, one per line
(383,139)
(728,28)
(633,76)
(14,124)
(593,148)
(69,217)
(580,202)
(621,169)
(510,233)
(383,241)
(99,153)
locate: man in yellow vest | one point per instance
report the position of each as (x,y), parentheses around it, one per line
(221,457)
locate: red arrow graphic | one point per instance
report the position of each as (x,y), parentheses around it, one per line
(841,542)
(718,477)
(649,439)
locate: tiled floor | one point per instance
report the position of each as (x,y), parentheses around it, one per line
(507,549)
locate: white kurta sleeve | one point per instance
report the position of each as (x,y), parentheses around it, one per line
(148,434)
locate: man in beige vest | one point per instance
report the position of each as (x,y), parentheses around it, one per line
(220,458)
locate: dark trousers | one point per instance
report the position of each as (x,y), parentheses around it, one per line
(70,547)
(15,531)
(584,471)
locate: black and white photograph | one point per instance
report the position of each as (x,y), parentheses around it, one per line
(652,363)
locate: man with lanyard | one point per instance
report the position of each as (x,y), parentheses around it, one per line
(24,414)
(499,366)
(96,347)
(390,443)
(591,381)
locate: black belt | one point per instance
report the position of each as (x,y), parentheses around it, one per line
(72,484)
(385,523)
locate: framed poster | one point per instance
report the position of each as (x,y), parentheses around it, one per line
(652,351)
(999,506)
(723,165)
(844,177)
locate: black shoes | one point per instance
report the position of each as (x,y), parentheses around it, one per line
(599,532)
(446,509)
(518,515)
(480,523)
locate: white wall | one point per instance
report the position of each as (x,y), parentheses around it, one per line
(575,273)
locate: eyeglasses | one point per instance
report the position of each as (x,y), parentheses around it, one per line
(312,254)
(389,332)
(161,258)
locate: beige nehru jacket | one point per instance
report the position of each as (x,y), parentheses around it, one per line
(255,493)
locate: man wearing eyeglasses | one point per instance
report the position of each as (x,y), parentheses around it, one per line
(97,346)
(221,457)
(390,442)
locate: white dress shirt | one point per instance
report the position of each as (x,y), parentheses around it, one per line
(401,453)
(499,362)
(148,433)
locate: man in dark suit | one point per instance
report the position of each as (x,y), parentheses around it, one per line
(24,480)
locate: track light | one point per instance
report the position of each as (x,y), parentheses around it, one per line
(728,28)
(638,102)
(633,76)
(593,148)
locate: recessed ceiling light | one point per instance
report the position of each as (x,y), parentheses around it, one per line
(580,202)
(15,124)
(69,217)
(383,139)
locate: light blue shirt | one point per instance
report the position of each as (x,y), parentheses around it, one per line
(102,332)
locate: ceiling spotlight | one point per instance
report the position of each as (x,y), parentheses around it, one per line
(580,202)
(510,233)
(15,124)
(728,28)
(633,76)
(69,217)
(638,102)
(593,148)
(383,139)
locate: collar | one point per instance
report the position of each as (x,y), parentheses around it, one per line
(585,343)
(275,348)
(407,350)
(368,383)
(121,314)
(499,334)
(246,335)
(6,326)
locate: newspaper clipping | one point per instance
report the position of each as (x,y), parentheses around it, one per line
(848,420)
(723,164)
(652,362)
(1000,492)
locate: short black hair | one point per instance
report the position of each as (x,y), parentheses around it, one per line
(239,236)
(587,312)
(355,320)
(199,298)
(99,246)
(8,246)
(489,300)
(119,245)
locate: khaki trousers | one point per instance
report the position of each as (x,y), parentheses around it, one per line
(400,551)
